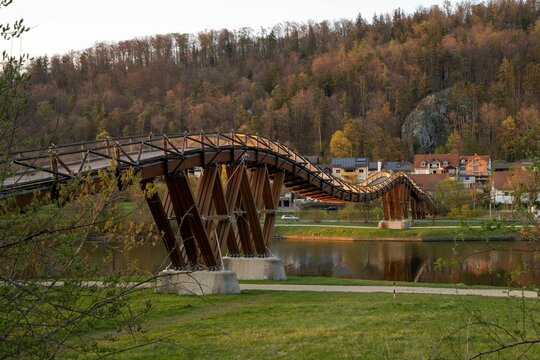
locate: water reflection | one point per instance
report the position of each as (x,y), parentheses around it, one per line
(472,262)
(141,259)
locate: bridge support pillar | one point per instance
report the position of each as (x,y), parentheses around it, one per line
(197,282)
(255,268)
(395,224)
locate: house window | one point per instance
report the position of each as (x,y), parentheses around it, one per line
(423,163)
(361,171)
(338,171)
(445,163)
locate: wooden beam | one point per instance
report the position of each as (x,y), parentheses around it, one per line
(225,206)
(164,227)
(386,205)
(414,213)
(204,196)
(252,216)
(271,200)
(240,243)
(185,208)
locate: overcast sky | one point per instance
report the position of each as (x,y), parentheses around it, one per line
(62,25)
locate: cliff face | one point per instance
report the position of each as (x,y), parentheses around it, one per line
(427,125)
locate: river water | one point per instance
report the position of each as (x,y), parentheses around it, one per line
(474,263)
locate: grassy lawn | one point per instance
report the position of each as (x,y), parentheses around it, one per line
(306,280)
(305,325)
(307,230)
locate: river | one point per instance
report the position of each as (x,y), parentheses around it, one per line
(473,263)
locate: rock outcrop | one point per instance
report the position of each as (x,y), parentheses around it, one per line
(427,126)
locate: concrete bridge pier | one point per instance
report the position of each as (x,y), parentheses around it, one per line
(256,268)
(402,224)
(204,282)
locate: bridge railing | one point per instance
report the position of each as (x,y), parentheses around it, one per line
(72,159)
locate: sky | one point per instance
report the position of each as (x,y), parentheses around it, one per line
(58,26)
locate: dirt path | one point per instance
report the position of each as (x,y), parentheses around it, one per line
(389,289)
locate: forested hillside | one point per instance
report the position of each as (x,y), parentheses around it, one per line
(300,83)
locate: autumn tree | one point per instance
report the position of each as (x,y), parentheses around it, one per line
(340,146)
(510,138)
(302,78)
(453,144)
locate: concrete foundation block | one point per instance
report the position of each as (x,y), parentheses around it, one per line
(395,224)
(269,268)
(197,282)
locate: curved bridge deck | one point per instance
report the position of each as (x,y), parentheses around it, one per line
(155,156)
(257,168)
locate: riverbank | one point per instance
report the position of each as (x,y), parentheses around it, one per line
(395,238)
(327,232)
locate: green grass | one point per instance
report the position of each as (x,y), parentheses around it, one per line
(306,230)
(301,280)
(306,325)
(374,223)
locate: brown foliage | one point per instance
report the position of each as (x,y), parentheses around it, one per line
(298,82)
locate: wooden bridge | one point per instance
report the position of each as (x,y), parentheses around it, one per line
(217,217)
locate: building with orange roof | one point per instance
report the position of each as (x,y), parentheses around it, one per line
(436,163)
(474,168)
(468,169)
(501,188)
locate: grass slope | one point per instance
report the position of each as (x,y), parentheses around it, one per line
(305,325)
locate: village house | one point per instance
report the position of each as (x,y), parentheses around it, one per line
(436,163)
(504,185)
(470,170)
(286,203)
(501,166)
(350,169)
(398,166)
(390,166)
(474,169)
(501,188)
